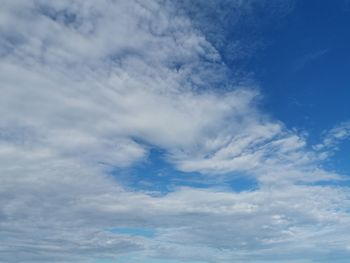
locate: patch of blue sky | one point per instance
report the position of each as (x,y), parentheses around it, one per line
(3,236)
(65,16)
(304,70)
(157,175)
(133,231)
(131,259)
(339,160)
(169,261)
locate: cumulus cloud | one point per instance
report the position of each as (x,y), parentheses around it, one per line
(87,86)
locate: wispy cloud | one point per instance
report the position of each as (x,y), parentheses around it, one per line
(333,138)
(309,58)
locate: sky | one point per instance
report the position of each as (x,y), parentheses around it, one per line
(161,131)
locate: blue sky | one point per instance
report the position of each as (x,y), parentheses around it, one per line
(174,131)
(307,60)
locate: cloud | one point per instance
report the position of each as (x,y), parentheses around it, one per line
(334,136)
(88,86)
(308,58)
(62,214)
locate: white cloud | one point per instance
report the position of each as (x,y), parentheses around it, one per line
(86,86)
(333,137)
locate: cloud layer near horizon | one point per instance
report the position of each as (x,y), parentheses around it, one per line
(88,87)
